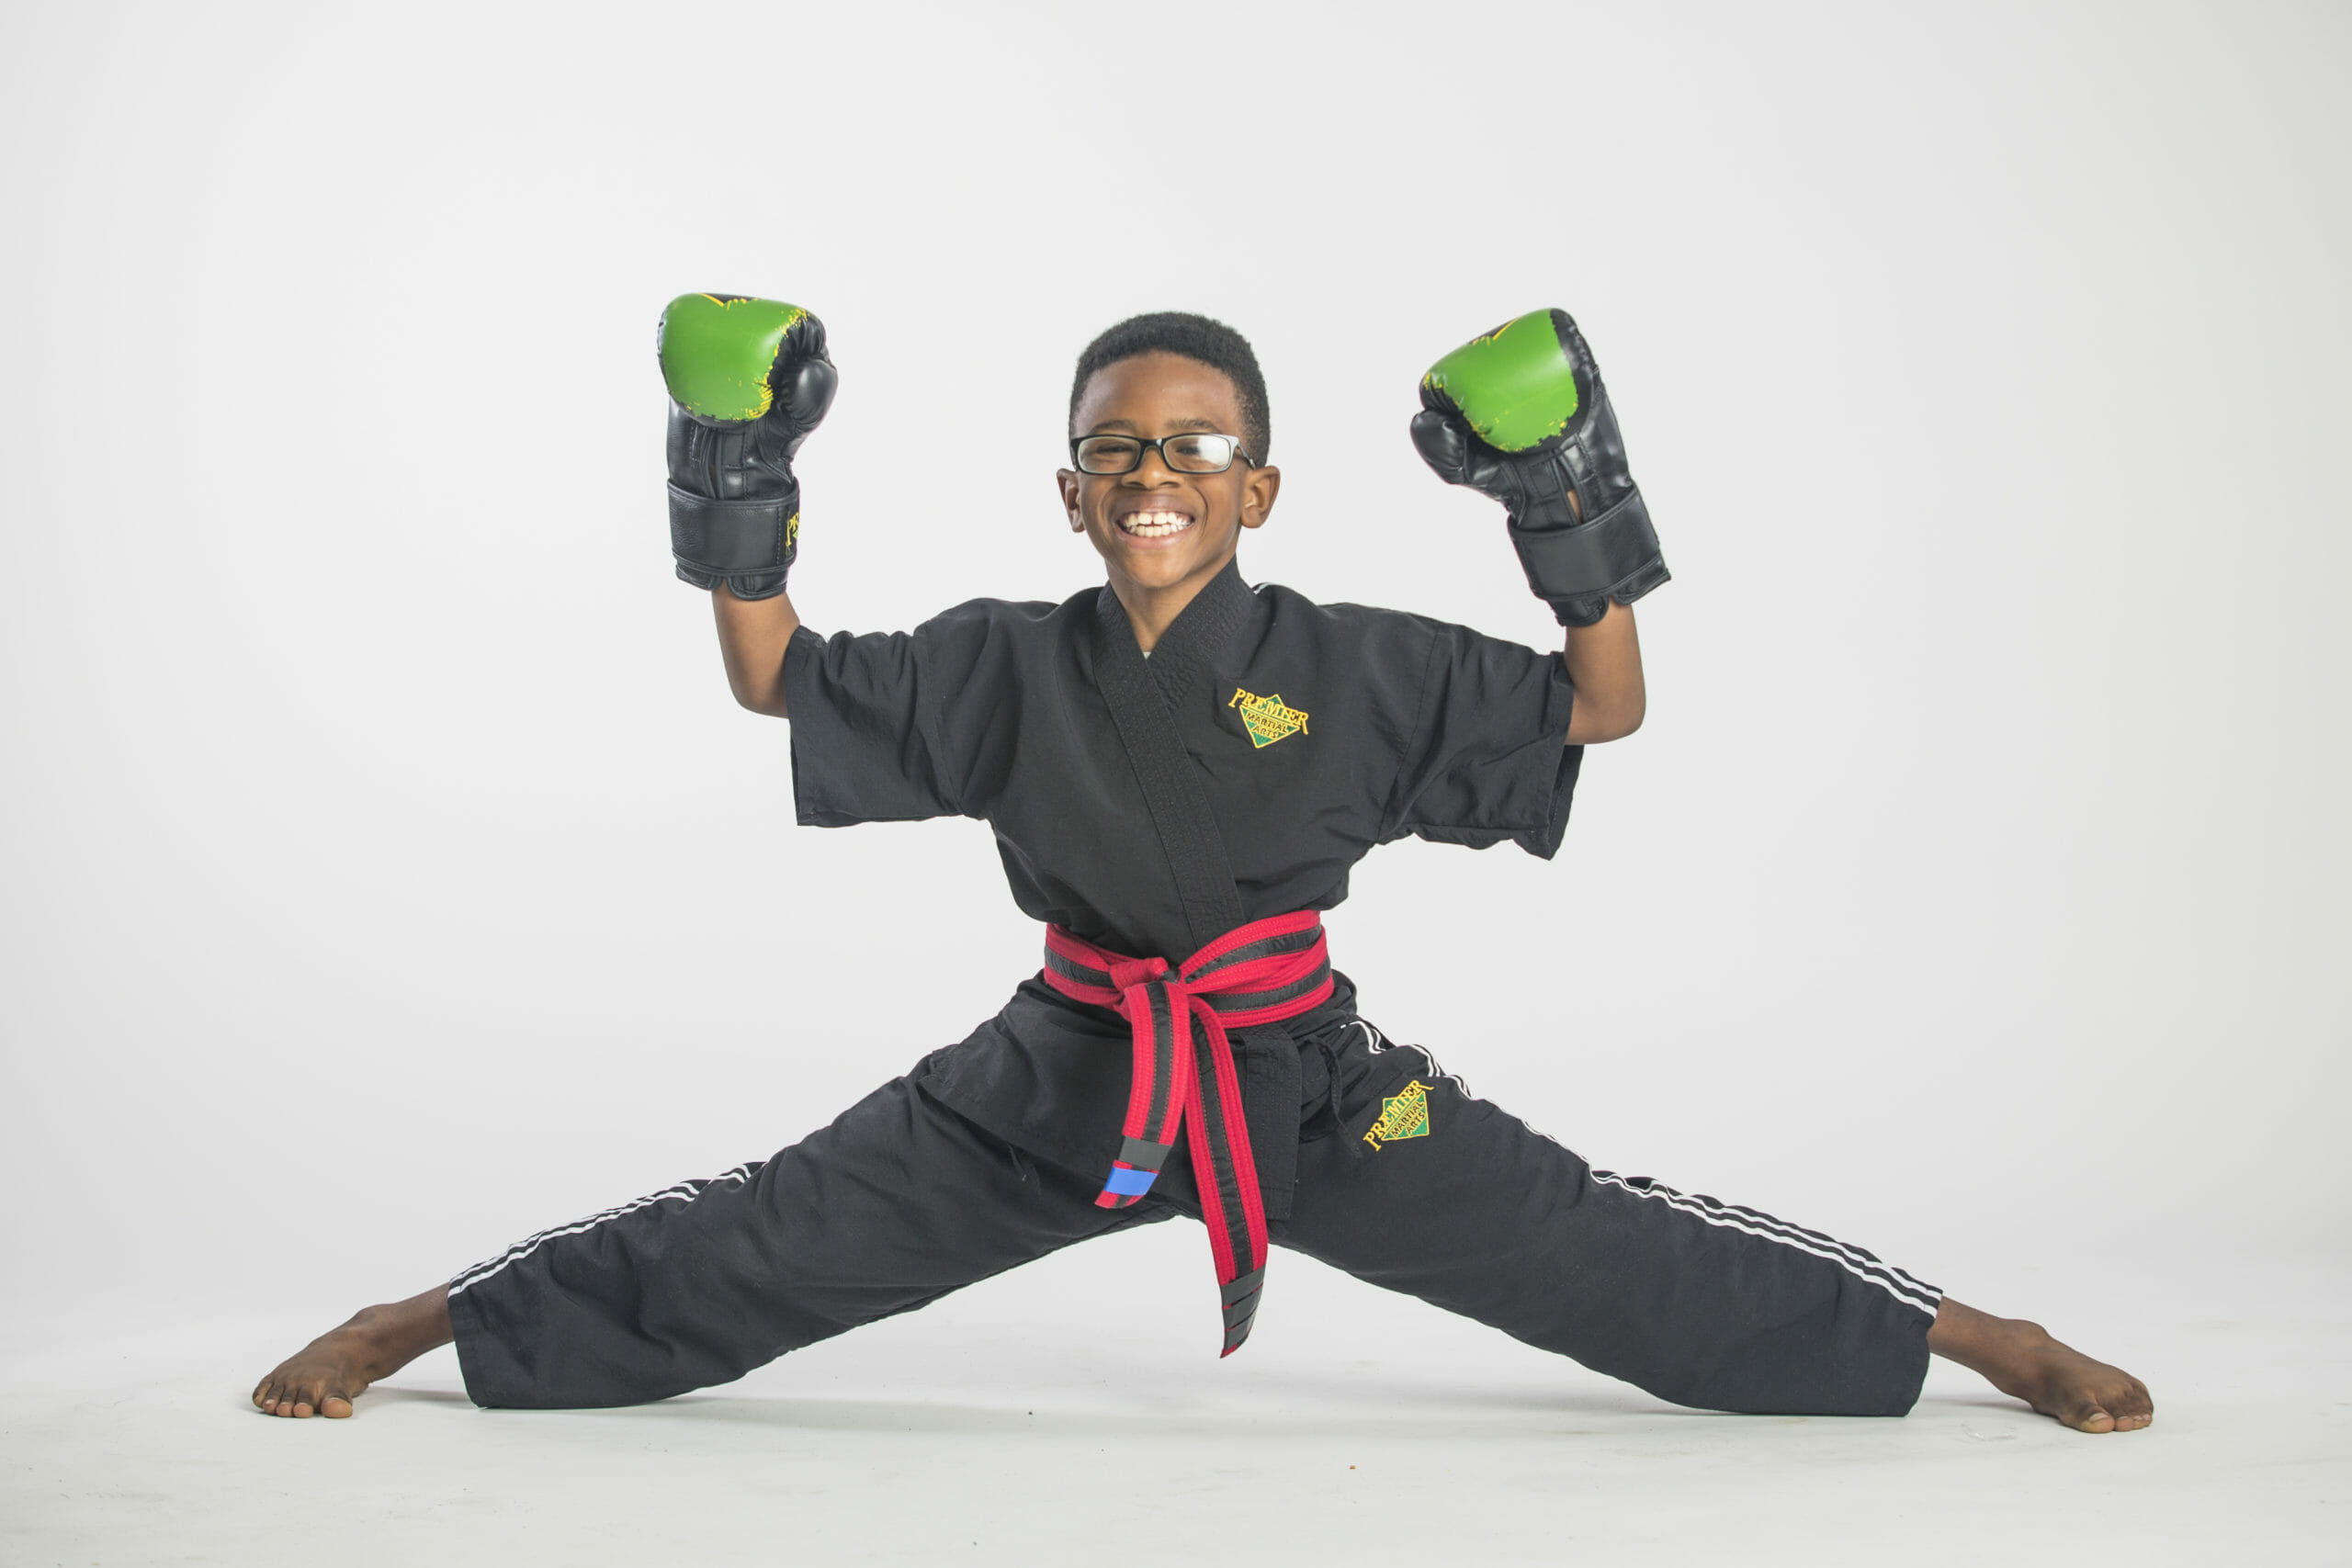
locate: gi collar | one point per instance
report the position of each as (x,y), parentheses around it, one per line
(1187,650)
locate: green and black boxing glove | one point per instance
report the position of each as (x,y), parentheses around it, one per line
(1520,414)
(748,381)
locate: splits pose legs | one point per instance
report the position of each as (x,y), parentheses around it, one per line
(901,1200)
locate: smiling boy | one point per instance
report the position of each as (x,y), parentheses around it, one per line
(1181,770)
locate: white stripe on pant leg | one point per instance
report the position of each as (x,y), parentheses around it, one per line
(1699,1203)
(1855,1252)
(1884,1276)
(1460,1084)
(1902,1287)
(1377,1042)
(685,1191)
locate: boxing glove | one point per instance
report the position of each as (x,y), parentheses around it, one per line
(748,381)
(1520,414)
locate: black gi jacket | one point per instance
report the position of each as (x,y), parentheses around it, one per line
(1386,724)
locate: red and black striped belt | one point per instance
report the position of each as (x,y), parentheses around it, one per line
(1184,1075)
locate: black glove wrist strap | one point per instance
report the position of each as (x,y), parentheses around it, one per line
(732,536)
(1594,558)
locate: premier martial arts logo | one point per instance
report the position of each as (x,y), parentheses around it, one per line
(1405,1115)
(1266,718)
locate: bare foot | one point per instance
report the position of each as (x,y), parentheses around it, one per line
(2021,1360)
(336,1368)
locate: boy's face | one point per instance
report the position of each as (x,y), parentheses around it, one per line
(1158,528)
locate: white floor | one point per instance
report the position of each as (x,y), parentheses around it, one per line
(1001,1426)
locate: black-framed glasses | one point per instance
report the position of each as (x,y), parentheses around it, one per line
(1194,452)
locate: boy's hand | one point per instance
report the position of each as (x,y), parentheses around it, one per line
(1520,414)
(748,381)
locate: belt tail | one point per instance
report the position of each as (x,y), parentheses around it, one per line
(1227,1174)
(1132,1173)
(1240,1302)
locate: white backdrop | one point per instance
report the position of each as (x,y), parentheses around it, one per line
(388,872)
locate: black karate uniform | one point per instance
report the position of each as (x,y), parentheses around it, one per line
(1315,732)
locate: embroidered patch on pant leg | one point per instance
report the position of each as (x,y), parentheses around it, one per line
(1405,1115)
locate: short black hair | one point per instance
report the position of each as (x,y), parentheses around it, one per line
(1210,342)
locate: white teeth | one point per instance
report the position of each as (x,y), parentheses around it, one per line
(1155,524)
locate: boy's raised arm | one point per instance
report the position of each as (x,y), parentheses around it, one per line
(1521,414)
(749,379)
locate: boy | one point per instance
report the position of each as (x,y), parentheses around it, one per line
(1177,764)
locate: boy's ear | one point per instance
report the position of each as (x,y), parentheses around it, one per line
(1257,493)
(1067,482)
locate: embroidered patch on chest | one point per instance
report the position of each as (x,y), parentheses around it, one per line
(1405,1115)
(1266,718)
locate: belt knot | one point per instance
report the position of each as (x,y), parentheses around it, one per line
(1133,973)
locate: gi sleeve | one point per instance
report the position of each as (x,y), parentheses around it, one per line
(874,737)
(1485,761)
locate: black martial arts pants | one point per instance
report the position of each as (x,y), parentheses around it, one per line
(901,1200)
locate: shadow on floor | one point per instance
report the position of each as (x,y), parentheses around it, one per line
(1510,1421)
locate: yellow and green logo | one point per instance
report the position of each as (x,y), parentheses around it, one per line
(1266,718)
(1405,1115)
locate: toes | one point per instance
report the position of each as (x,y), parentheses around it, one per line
(2135,1412)
(2124,1407)
(299,1398)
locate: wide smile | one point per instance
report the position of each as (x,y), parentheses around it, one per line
(1154,522)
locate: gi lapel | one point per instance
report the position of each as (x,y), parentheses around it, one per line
(1172,784)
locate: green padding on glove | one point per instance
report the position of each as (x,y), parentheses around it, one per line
(1516,386)
(718,351)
